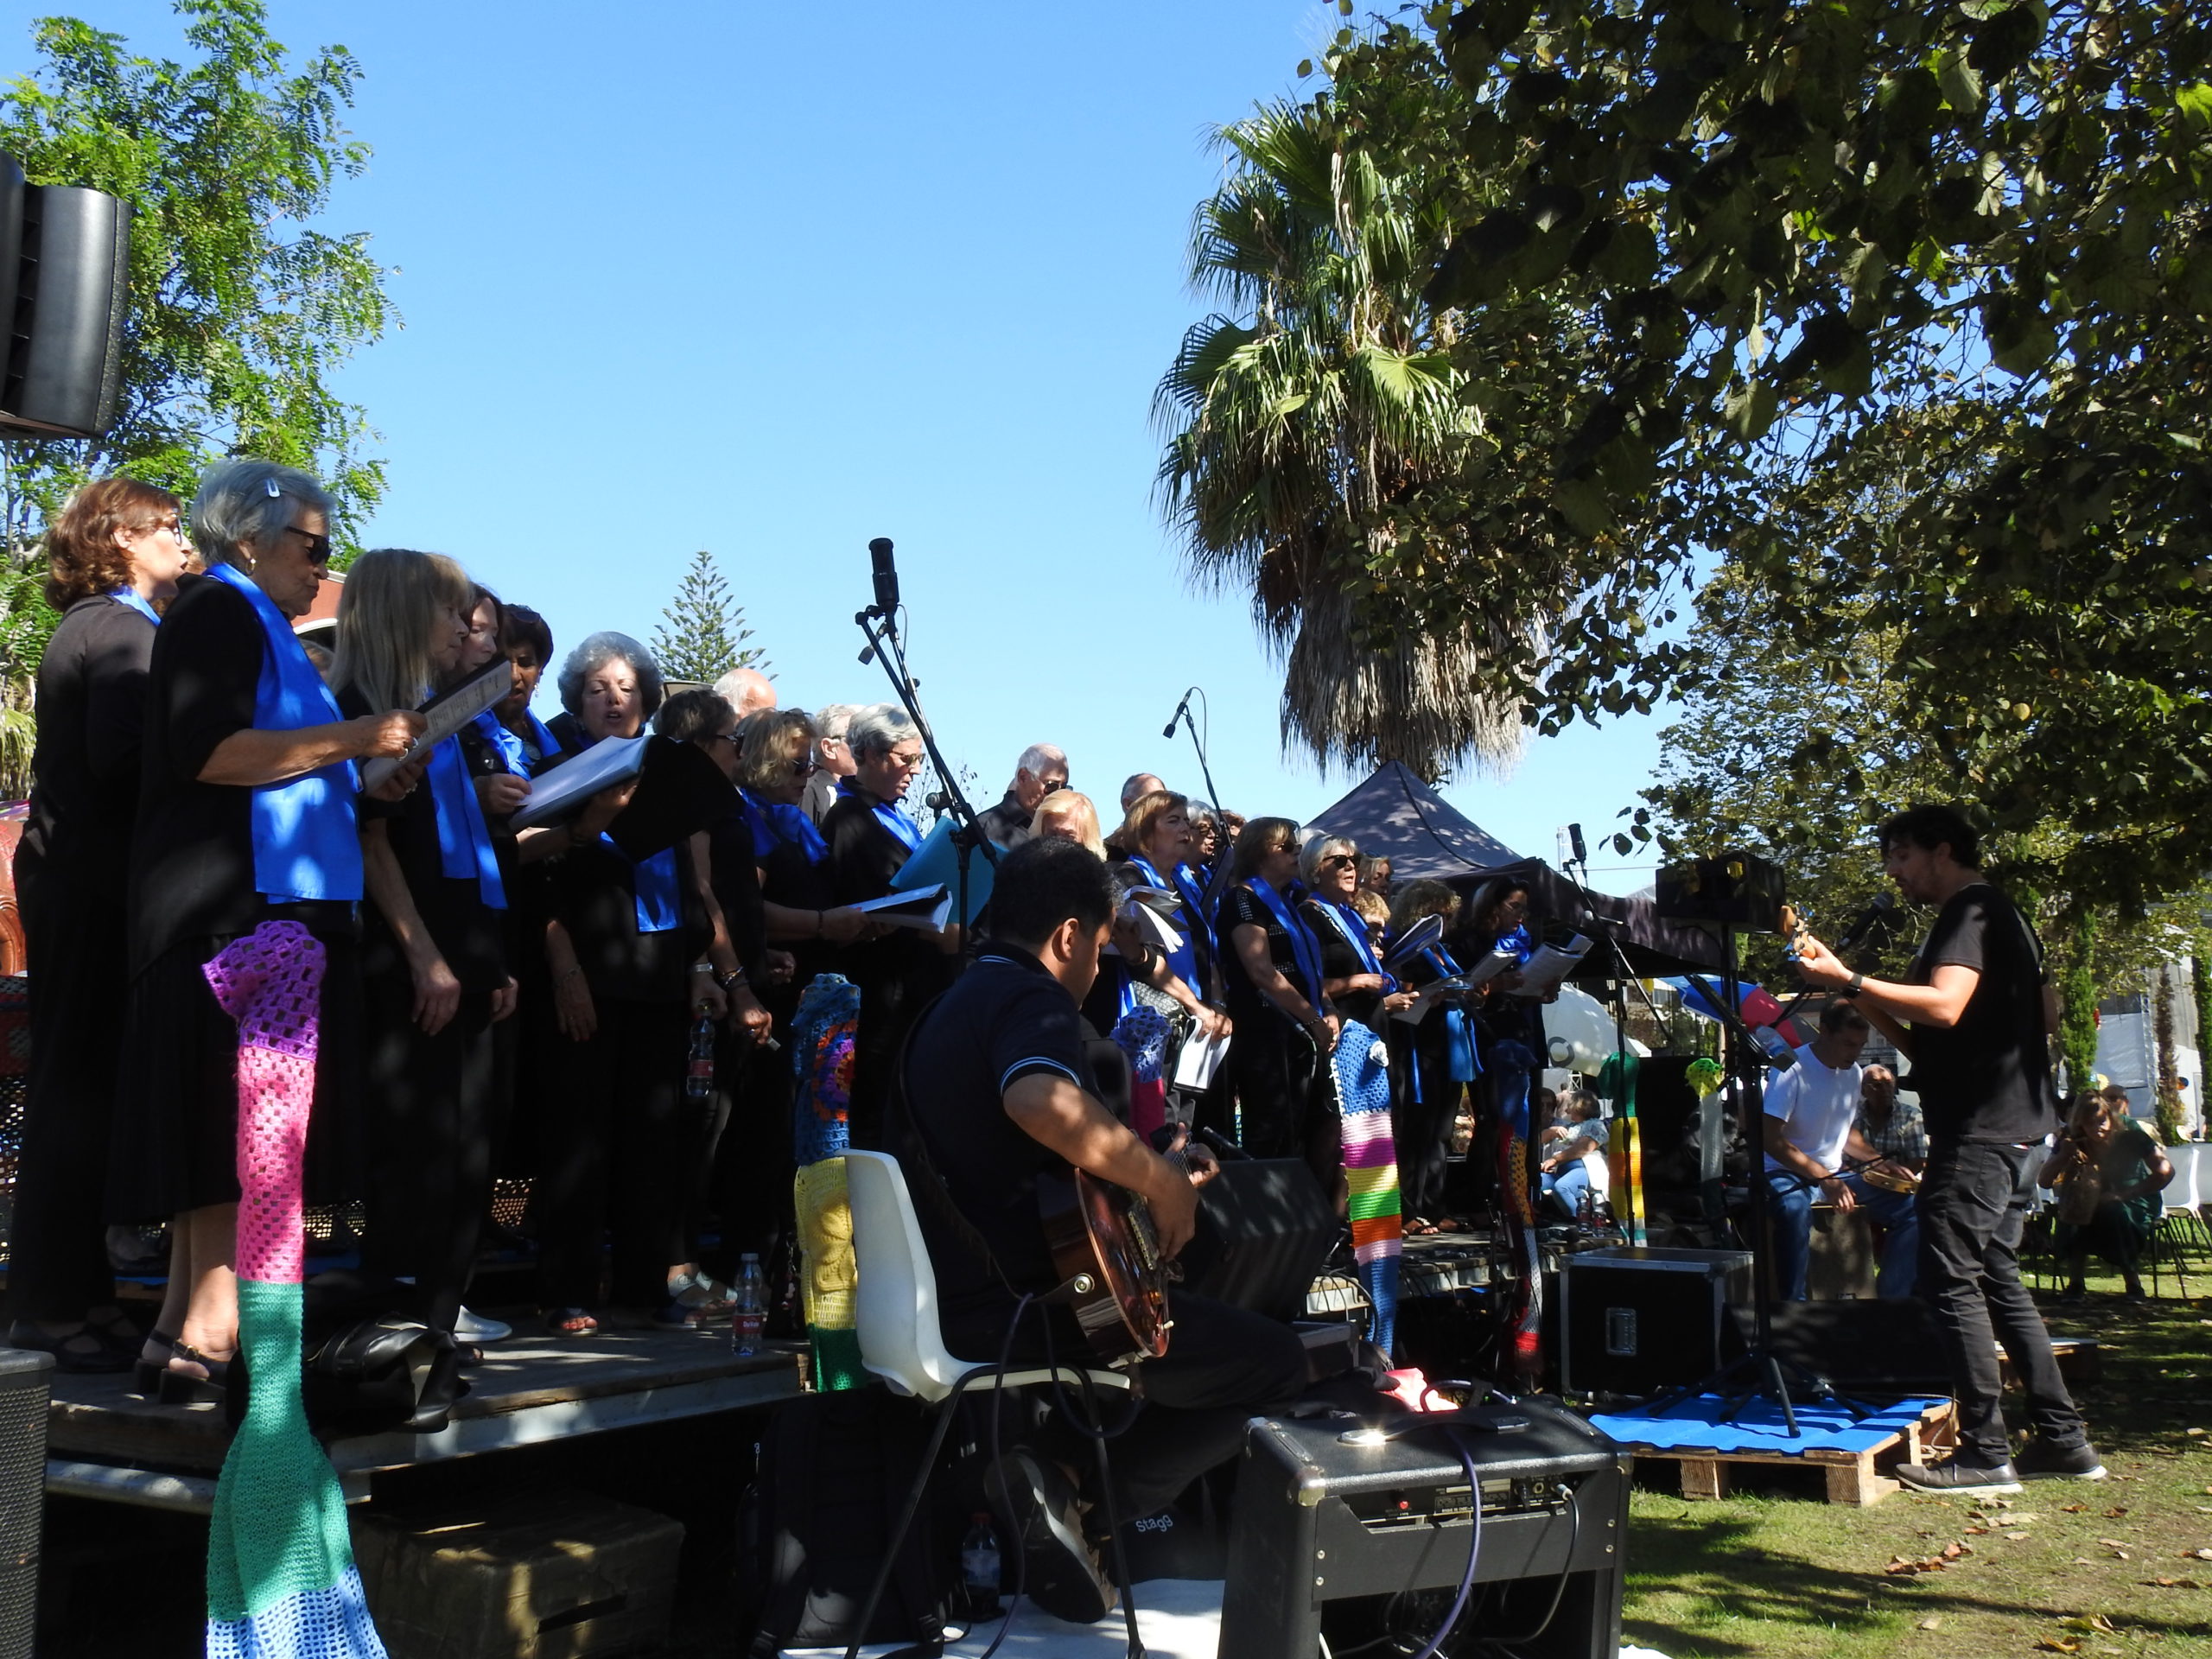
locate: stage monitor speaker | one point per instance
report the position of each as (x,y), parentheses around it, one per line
(1641,1320)
(1319,1523)
(1740,890)
(70,271)
(1264,1230)
(1867,1347)
(24,1380)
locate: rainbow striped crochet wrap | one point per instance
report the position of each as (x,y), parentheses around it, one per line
(1361,1064)
(281,1579)
(823,1030)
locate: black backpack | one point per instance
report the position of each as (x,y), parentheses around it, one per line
(834,1472)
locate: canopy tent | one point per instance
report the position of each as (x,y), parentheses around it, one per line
(1394,815)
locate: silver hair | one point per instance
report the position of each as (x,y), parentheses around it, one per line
(1311,855)
(876,728)
(251,502)
(595,653)
(833,719)
(1129,790)
(1038,756)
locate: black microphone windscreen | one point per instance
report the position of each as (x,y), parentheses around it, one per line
(1581,852)
(887,573)
(1168,730)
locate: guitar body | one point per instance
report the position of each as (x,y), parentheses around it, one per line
(1098,1232)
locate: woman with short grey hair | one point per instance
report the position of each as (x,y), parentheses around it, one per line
(581,679)
(880,728)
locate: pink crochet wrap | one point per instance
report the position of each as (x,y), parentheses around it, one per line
(270,982)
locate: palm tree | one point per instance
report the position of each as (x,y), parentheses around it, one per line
(1314,426)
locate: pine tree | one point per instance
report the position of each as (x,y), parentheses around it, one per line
(703,633)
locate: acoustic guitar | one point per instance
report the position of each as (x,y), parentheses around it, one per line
(1104,1243)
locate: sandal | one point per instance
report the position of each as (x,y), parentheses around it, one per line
(146,1374)
(571,1322)
(677,1314)
(87,1351)
(707,1297)
(183,1388)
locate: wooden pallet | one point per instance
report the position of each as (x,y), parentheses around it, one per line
(1854,1478)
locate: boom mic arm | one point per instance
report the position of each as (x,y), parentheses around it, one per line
(1182,709)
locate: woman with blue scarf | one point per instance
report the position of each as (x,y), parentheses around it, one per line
(113,554)
(1271,970)
(1353,977)
(870,837)
(434,958)
(628,951)
(1433,1056)
(246,814)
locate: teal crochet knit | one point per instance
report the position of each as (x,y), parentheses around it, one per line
(289,1537)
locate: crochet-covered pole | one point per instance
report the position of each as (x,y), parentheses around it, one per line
(824,1027)
(1371,1196)
(281,1579)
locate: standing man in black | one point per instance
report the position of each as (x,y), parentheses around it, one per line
(1974,1016)
(998,1092)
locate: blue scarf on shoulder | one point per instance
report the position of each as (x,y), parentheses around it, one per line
(1185,958)
(1349,923)
(307,843)
(889,815)
(654,888)
(773,825)
(510,747)
(1305,949)
(464,839)
(137,601)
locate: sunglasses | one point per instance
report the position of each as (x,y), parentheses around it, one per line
(318,546)
(1337,860)
(1052,785)
(802,768)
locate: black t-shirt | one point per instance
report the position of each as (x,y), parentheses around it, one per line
(863,857)
(1340,961)
(191,857)
(1987,1078)
(1241,908)
(733,871)
(594,896)
(1006,1018)
(91,709)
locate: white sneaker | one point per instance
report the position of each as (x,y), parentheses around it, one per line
(474,1327)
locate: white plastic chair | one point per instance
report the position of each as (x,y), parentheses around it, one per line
(902,1341)
(2181,1202)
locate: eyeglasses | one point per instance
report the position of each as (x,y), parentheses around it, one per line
(905,762)
(318,546)
(1051,786)
(803,768)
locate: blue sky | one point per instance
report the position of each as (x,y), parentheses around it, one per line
(773,281)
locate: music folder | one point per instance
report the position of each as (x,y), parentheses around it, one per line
(680,791)
(936,863)
(925,909)
(444,715)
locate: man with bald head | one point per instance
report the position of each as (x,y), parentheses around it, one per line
(1042,770)
(1141,785)
(748,690)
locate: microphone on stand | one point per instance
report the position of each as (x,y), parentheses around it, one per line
(1181,709)
(887,575)
(1581,852)
(1877,911)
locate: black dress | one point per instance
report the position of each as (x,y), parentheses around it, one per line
(432,1098)
(750,1185)
(1272,1057)
(623,1146)
(897,975)
(192,891)
(70,872)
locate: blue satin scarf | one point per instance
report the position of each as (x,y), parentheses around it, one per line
(1353,926)
(774,825)
(138,602)
(889,815)
(510,747)
(654,888)
(1187,883)
(1184,959)
(307,843)
(1304,947)
(464,839)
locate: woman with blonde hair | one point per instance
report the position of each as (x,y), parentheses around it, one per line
(1069,815)
(114,555)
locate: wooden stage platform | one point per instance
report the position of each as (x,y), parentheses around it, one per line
(102,1442)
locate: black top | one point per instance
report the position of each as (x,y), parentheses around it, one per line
(733,871)
(469,934)
(1007,824)
(1340,961)
(863,857)
(594,896)
(788,880)
(91,708)
(1005,1020)
(192,858)
(1987,1078)
(1241,908)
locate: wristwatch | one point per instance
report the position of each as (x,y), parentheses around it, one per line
(1853,985)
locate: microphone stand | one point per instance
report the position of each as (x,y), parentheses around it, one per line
(878,624)
(1618,973)
(1183,713)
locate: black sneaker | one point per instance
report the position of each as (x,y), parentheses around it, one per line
(1036,1503)
(2040,1460)
(1951,1476)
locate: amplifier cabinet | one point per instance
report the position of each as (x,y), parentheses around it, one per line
(1318,1520)
(1637,1320)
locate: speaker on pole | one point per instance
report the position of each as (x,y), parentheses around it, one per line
(65,257)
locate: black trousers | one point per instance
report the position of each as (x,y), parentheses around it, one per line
(751,1188)
(431,1112)
(621,1149)
(1224,1366)
(1282,1096)
(1973,1202)
(57,1248)
(1424,1125)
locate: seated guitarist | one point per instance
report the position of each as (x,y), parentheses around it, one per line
(999,1092)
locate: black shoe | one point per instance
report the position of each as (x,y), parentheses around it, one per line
(1951,1476)
(88,1351)
(1034,1502)
(2040,1460)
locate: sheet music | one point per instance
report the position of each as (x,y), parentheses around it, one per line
(445,714)
(1429,997)
(1551,964)
(925,909)
(1198,1060)
(1142,907)
(561,792)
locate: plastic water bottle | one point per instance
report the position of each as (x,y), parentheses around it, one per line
(699,1072)
(751,1308)
(979,1568)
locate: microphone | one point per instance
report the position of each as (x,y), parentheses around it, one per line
(1581,853)
(1181,709)
(887,574)
(1877,911)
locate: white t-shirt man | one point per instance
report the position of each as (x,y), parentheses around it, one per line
(1817,1104)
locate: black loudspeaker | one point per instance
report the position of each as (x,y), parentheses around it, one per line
(64,286)
(1264,1230)
(1324,1516)
(1642,1320)
(1739,890)
(1865,1347)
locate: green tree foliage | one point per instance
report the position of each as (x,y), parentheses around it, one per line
(1897,311)
(2077,1010)
(241,307)
(701,634)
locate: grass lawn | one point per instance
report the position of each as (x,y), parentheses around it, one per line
(2067,1566)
